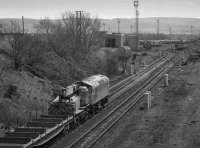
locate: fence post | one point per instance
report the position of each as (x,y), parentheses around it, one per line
(166,80)
(148,95)
(132,68)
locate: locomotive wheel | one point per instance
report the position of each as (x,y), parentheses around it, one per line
(66,130)
(85,117)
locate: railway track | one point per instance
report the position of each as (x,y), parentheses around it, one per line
(92,135)
(114,101)
(53,125)
(122,84)
(122,89)
(118,79)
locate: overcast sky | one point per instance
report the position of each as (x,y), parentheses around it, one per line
(100,8)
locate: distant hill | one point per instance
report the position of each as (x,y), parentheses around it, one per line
(29,23)
(147,25)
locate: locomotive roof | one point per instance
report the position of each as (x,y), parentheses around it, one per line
(96,80)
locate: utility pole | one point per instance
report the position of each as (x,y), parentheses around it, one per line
(118,25)
(191,32)
(158,28)
(78,29)
(170,33)
(104,26)
(23,25)
(109,28)
(136,5)
(131,28)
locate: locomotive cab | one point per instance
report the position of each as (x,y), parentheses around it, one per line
(83,92)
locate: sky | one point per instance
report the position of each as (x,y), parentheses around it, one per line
(99,8)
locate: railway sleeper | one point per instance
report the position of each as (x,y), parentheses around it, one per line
(54,116)
(31,135)
(57,120)
(15,140)
(32,130)
(41,124)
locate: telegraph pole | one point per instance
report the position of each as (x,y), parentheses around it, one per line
(23,25)
(109,28)
(118,25)
(78,29)
(170,36)
(191,32)
(170,33)
(104,26)
(158,28)
(131,28)
(136,5)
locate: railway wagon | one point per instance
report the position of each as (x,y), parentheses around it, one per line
(81,99)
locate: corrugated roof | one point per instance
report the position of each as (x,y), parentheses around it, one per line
(96,80)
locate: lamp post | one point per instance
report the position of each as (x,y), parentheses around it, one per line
(136,5)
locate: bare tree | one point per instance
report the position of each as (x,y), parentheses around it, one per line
(15,39)
(45,28)
(87,34)
(26,49)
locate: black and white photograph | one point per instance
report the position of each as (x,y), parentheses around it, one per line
(99,73)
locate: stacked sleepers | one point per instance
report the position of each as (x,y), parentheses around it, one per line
(37,130)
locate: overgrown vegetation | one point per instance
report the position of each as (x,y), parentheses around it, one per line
(59,52)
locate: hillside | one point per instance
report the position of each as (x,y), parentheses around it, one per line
(147,25)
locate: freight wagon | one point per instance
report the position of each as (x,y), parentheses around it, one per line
(76,103)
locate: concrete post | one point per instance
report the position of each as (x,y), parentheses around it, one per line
(132,69)
(148,94)
(166,80)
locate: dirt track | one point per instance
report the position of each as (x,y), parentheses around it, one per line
(173,121)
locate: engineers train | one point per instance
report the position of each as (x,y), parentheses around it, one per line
(89,96)
(77,102)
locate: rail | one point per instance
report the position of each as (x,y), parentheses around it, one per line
(52,130)
(112,116)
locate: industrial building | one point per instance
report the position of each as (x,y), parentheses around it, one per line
(117,40)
